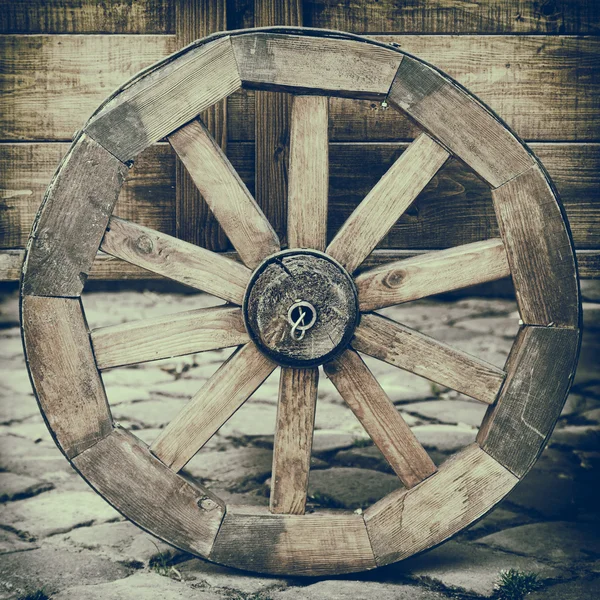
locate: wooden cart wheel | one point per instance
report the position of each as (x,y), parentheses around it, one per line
(301,307)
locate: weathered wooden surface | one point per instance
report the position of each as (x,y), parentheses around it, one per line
(421,16)
(67,233)
(455,208)
(387,201)
(108,267)
(86,16)
(380,418)
(177,260)
(409,521)
(229,199)
(195,19)
(433,273)
(293,440)
(308,186)
(58,79)
(540,370)
(339,67)
(539,251)
(165,99)
(63,372)
(233,383)
(172,335)
(424,16)
(315,544)
(123,471)
(418,353)
(284,280)
(270,123)
(459,122)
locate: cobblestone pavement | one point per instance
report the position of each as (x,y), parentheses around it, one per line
(60,538)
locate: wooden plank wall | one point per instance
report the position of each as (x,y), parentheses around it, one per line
(535,62)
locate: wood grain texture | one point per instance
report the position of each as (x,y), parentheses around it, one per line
(459,122)
(86,16)
(271,154)
(308,186)
(178,334)
(271,125)
(290,277)
(123,471)
(447,16)
(466,486)
(540,370)
(412,351)
(386,202)
(108,267)
(26,169)
(293,440)
(506,73)
(455,208)
(232,384)
(63,372)
(380,418)
(337,66)
(53,84)
(177,260)
(314,544)
(229,199)
(70,225)
(195,19)
(539,251)
(432,273)
(171,94)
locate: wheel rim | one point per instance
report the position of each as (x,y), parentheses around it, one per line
(64,359)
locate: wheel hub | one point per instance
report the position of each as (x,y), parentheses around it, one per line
(301,308)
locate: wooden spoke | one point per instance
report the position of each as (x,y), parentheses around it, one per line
(210,408)
(418,353)
(172,335)
(228,197)
(387,201)
(293,440)
(379,417)
(432,273)
(177,260)
(308,173)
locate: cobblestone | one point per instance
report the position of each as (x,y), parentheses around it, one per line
(57,534)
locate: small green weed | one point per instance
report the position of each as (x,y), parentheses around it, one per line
(515,585)
(162,565)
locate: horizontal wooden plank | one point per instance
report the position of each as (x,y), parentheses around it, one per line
(108,267)
(505,72)
(53,83)
(87,16)
(456,208)
(315,544)
(123,471)
(449,16)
